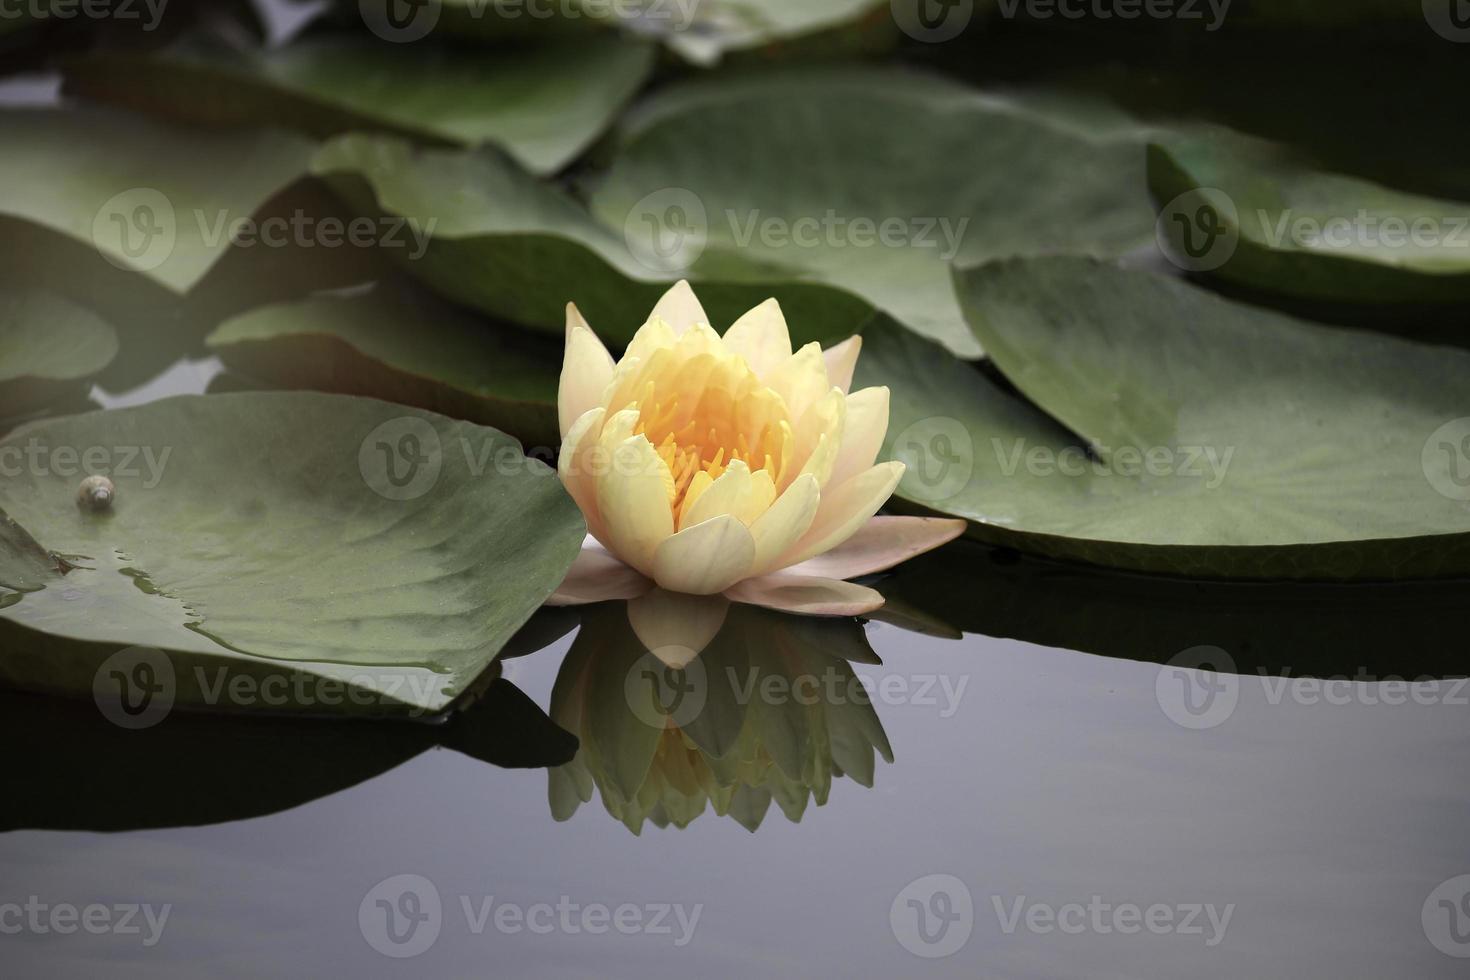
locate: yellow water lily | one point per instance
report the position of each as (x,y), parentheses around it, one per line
(708,464)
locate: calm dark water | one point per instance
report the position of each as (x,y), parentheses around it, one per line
(1312,821)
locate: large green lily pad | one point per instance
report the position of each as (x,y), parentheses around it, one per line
(49,346)
(512,246)
(1260,214)
(153,199)
(371,547)
(401,347)
(871,181)
(543,105)
(1217,440)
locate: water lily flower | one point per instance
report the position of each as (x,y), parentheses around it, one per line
(708,464)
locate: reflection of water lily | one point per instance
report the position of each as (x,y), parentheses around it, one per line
(711,464)
(767,709)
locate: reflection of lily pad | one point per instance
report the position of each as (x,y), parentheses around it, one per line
(510,245)
(784,170)
(265,534)
(49,346)
(152,198)
(1282,225)
(400,348)
(81,773)
(1280,449)
(542,105)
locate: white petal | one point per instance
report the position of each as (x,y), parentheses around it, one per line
(650,337)
(705,558)
(675,627)
(761,337)
(633,500)
(679,308)
(844,509)
(880,544)
(586,368)
(819,435)
(801,380)
(578,465)
(779,528)
(862,433)
(806,595)
(596,576)
(841,359)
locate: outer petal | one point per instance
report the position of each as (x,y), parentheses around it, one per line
(806,595)
(706,558)
(578,466)
(841,359)
(633,500)
(761,337)
(862,435)
(596,576)
(586,368)
(880,544)
(778,529)
(676,628)
(679,308)
(845,508)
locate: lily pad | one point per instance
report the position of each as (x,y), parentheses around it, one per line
(1262,215)
(152,198)
(787,171)
(543,105)
(404,348)
(1218,440)
(49,346)
(512,246)
(292,538)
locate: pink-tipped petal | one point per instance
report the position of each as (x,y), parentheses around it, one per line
(806,594)
(596,576)
(844,509)
(880,544)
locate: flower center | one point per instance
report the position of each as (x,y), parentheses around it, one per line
(708,413)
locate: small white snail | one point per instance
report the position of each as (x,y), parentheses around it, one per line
(96,493)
